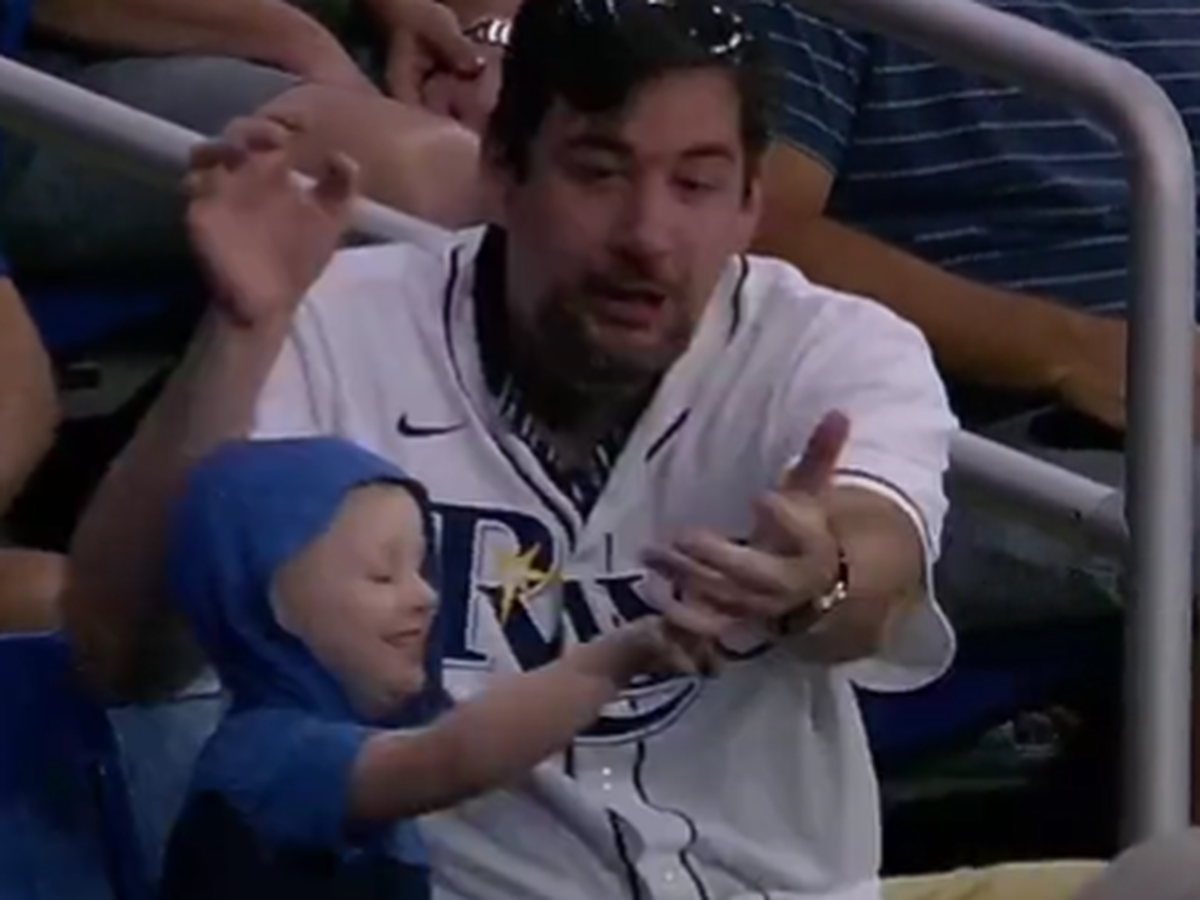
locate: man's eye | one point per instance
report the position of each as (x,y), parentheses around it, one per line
(696,186)
(590,171)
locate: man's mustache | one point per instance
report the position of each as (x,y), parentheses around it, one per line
(627,283)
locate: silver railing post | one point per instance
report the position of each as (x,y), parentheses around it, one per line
(1159,496)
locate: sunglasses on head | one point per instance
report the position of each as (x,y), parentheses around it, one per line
(716,28)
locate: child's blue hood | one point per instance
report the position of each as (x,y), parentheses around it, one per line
(246,510)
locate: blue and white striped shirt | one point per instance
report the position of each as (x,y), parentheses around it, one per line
(976,177)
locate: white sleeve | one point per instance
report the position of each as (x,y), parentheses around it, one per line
(298,399)
(879,372)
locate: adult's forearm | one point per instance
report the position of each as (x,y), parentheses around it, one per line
(269,31)
(979,334)
(115,605)
(29,409)
(885,558)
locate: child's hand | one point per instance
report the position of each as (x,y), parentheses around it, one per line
(677,651)
(680,641)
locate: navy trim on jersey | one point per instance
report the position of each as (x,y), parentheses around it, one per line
(735,314)
(582,484)
(546,500)
(912,504)
(665,438)
(685,858)
(631,873)
(447,313)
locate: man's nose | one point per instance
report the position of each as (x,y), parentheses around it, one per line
(645,228)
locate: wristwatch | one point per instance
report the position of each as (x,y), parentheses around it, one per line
(490,31)
(806,618)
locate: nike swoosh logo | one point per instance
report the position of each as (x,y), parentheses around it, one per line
(408,429)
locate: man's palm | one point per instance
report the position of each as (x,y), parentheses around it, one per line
(263,238)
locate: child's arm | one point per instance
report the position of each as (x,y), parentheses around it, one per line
(493,739)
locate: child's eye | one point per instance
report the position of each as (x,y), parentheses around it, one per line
(382,578)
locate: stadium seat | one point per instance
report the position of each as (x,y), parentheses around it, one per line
(67,830)
(998,672)
(76,320)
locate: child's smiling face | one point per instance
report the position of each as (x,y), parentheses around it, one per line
(356,597)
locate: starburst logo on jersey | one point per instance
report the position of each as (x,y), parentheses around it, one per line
(509,568)
(521,580)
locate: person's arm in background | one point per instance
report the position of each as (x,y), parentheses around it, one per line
(29,410)
(979,334)
(30,581)
(273,32)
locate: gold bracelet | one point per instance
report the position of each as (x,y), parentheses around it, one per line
(806,618)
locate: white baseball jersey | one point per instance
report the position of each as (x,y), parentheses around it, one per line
(757,783)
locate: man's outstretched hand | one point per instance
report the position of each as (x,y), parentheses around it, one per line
(792,559)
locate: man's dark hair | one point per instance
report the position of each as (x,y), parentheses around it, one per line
(595,55)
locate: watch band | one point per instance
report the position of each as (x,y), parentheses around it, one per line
(490,31)
(806,618)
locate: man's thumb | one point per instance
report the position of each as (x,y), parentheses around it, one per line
(815,469)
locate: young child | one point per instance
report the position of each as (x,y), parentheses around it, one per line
(304,567)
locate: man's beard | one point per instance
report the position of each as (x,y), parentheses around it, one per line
(570,352)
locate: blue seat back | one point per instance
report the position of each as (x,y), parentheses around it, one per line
(64,814)
(14,19)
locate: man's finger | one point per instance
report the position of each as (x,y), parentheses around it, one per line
(258,134)
(791,525)
(694,618)
(696,580)
(748,568)
(439,30)
(815,469)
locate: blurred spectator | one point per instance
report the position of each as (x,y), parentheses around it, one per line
(202,63)
(995,220)
(28,409)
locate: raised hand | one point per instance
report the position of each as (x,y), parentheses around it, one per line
(262,238)
(792,558)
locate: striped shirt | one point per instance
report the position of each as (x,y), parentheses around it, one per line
(976,177)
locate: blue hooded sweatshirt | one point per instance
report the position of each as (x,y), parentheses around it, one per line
(266,815)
